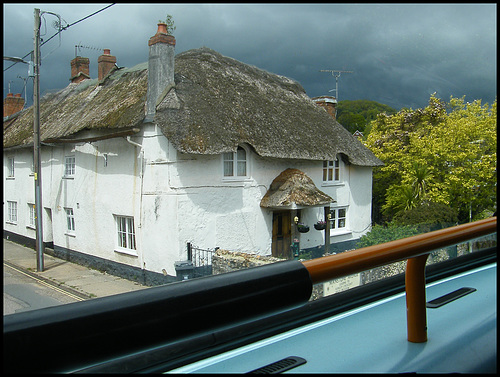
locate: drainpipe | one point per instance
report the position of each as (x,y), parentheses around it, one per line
(141,175)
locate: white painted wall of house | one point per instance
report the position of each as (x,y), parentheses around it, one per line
(180,198)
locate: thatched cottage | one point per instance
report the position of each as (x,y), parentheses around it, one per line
(196,148)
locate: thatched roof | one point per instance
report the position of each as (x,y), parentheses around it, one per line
(117,103)
(294,188)
(217,103)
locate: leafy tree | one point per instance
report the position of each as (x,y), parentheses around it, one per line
(381,234)
(427,216)
(356,115)
(435,155)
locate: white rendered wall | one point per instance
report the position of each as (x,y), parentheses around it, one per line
(174,198)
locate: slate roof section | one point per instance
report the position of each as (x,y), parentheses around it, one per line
(217,103)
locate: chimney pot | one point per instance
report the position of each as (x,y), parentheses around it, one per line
(162,28)
(107,51)
(10,95)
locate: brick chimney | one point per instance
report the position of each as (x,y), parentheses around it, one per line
(105,63)
(328,103)
(79,69)
(160,66)
(12,104)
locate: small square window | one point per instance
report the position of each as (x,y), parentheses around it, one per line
(125,232)
(338,218)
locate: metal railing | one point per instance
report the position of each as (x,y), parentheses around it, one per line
(415,249)
(201,259)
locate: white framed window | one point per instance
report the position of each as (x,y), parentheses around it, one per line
(338,219)
(69,166)
(235,164)
(70,220)
(332,171)
(10,167)
(125,232)
(31,215)
(12,212)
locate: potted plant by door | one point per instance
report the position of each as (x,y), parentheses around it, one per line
(302,228)
(320,225)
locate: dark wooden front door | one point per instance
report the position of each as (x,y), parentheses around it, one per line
(281,234)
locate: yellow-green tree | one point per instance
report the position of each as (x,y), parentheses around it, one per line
(443,153)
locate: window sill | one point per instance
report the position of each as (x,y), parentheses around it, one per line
(236,179)
(10,178)
(130,252)
(10,222)
(68,177)
(339,232)
(70,234)
(333,184)
(32,227)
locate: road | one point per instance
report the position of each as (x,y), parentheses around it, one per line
(23,292)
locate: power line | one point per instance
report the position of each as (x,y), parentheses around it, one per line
(63,29)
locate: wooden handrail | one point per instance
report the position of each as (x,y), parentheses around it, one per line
(416,250)
(334,266)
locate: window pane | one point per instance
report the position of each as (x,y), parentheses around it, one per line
(11,166)
(228,168)
(241,154)
(241,165)
(242,168)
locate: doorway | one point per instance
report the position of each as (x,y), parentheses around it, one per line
(282,238)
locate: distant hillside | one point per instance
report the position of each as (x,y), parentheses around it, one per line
(356,115)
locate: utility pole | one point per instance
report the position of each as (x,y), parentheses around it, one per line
(36,144)
(336,74)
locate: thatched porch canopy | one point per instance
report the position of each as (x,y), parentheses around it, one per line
(294,189)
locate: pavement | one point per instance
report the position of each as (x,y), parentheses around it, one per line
(80,281)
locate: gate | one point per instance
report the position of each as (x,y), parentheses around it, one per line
(201,259)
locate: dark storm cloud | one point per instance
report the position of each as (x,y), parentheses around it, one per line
(399,54)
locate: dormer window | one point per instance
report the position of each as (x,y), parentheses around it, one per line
(235,163)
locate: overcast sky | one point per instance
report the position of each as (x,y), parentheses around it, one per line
(399,54)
